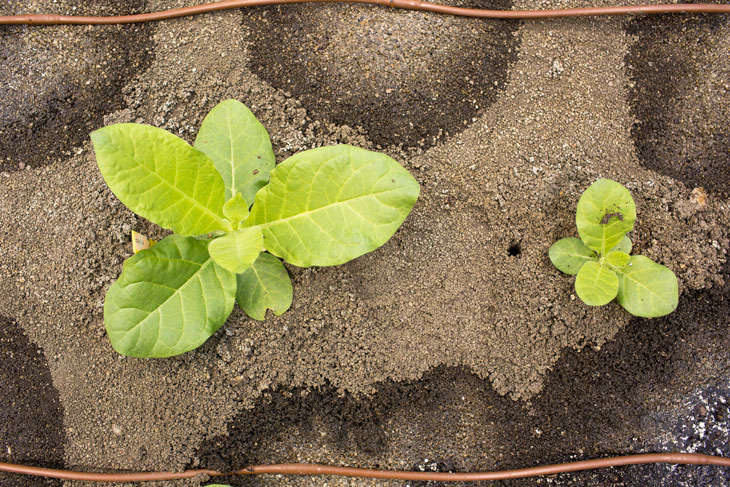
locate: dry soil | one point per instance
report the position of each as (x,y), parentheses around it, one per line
(456,345)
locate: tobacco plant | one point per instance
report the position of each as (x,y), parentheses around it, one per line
(600,259)
(234,216)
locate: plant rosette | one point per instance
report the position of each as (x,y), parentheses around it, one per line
(600,258)
(234,215)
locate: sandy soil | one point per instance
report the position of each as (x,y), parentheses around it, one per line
(457,345)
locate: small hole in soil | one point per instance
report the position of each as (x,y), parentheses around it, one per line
(514,249)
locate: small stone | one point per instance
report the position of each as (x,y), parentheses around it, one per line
(699,197)
(556,69)
(21,165)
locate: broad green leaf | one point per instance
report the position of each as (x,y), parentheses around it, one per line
(327,206)
(624,245)
(237,250)
(169,299)
(236,209)
(239,146)
(569,254)
(646,288)
(265,284)
(606,212)
(595,284)
(161,177)
(617,258)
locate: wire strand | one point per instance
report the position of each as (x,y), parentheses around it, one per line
(43,19)
(311,469)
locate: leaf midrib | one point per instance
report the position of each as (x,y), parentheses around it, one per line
(233,155)
(322,208)
(179,289)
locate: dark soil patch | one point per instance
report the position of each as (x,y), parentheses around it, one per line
(358,66)
(648,390)
(77,78)
(681,97)
(31,416)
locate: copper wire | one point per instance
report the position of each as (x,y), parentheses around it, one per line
(315,469)
(42,19)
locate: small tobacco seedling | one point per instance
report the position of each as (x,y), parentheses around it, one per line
(321,207)
(600,258)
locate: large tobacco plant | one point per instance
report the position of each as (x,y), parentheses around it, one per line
(234,216)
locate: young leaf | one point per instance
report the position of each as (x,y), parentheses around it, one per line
(327,206)
(237,250)
(160,177)
(624,245)
(236,209)
(569,255)
(617,258)
(595,284)
(606,212)
(169,299)
(239,146)
(646,288)
(265,284)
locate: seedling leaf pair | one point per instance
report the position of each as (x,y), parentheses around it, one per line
(324,206)
(600,258)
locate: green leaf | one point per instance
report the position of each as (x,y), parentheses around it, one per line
(327,206)
(161,177)
(239,146)
(617,258)
(236,209)
(606,212)
(169,299)
(646,288)
(624,245)
(265,284)
(595,284)
(237,250)
(569,255)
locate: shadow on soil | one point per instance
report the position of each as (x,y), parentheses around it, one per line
(661,384)
(405,83)
(58,82)
(31,416)
(681,98)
